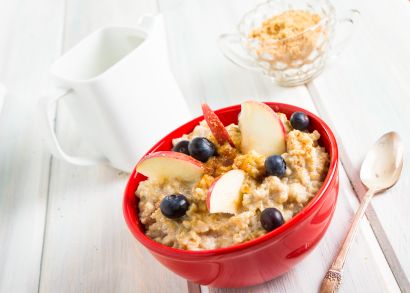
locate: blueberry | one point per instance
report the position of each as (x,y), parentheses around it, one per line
(182,147)
(271,219)
(275,166)
(299,121)
(201,149)
(174,206)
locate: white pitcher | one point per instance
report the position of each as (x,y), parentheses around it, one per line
(124,97)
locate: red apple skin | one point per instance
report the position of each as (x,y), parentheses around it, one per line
(269,109)
(277,117)
(217,128)
(174,155)
(167,170)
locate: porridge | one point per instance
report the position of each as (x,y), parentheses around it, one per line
(236,187)
(287,39)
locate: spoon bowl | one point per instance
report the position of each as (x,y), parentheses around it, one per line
(383,163)
(380,170)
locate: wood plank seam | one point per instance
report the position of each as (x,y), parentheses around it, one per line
(192,287)
(359,191)
(49,275)
(202,93)
(51,159)
(50,164)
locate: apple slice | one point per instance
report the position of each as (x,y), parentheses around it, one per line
(168,164)
(217,128)
(224,193)
(261,129)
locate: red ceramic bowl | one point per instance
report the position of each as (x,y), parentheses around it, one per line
(258,260)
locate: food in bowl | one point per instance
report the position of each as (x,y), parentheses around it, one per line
(220,186)
(266,257)
(289,38)
(285,25)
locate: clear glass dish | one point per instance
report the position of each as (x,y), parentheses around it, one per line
(292,60)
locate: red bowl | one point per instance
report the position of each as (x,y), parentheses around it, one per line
(258,260)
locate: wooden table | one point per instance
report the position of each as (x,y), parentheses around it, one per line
(61,226)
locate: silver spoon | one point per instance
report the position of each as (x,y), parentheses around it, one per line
(380,170)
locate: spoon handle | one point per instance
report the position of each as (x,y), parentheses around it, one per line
(333,277)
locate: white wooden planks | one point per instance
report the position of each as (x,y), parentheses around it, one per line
(27,46)
(204,74)
(363,272)
(202,71)
(365,94)
(88,247)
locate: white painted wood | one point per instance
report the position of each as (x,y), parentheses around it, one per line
(2,95)
(202,71)
(28,44)
(88,247)
(365,94)
(365,270)
(204,74)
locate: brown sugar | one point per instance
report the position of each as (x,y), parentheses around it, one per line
(289,38)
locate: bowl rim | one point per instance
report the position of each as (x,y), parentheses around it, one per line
(171,252)
(330,15)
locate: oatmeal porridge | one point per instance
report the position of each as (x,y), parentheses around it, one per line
(235,196)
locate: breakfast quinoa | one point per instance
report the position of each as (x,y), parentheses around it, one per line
(306,164)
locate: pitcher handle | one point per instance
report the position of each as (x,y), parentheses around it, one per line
(47,105)
(226,43)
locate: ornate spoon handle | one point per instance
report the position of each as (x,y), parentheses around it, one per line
(333,277)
